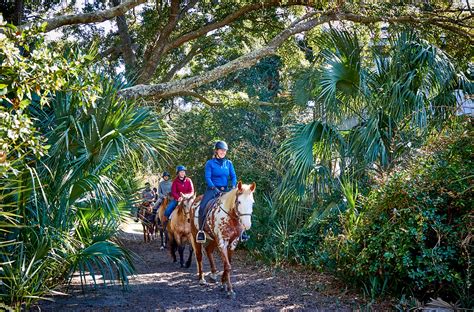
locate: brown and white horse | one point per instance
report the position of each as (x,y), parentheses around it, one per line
(179,229)
(227,218)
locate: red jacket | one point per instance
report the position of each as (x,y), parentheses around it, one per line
(178,187)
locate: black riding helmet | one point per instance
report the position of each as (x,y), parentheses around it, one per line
(221,145)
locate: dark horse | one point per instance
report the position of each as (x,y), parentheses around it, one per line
(226,220)
(179,229)
(145,214)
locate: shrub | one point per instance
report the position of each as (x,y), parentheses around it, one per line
(415,232)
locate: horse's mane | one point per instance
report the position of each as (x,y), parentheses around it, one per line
(228,199)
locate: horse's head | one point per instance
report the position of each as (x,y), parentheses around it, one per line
(244,203)
(187,201)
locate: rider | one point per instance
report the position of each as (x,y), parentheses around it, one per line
(216,173)
(148,196)
(181,184)
(164,190)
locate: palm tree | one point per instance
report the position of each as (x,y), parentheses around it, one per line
(396,94)
(72,201)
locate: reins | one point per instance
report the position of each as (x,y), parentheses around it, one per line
(236,208)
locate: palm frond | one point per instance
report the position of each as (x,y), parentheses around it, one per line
(307,148)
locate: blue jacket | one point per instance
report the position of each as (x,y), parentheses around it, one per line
(217,172)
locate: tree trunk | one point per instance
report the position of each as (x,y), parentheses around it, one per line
(18,14)
(126,42)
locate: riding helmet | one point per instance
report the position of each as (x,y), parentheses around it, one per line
(221,145)
(180,168)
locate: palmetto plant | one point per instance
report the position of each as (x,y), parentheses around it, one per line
(396,94)
(65,209)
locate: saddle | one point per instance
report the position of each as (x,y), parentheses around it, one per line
(209,206)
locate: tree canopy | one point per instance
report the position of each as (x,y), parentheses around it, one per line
(161,44)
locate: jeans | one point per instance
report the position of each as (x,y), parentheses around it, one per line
(169,209)
(208,195)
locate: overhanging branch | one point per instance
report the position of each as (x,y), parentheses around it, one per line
(87,18)
(245,61)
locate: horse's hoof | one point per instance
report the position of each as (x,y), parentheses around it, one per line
(181,266)
(213,277)
(162,247)
(202,282)
(231,294)
(223,287)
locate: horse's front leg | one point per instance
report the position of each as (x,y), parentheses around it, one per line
(188,262)
(210,255)
(162,239)
(227,267)
(198,253)
(144,232)
(181,255)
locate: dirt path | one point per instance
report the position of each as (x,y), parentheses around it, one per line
(161,285)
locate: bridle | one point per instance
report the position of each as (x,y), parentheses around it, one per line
(187,213)
(236,208)
(237,202)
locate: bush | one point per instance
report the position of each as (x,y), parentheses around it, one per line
(415,231)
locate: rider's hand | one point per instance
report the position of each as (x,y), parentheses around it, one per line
(180,199)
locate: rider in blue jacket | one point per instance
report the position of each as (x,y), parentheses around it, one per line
(217,172)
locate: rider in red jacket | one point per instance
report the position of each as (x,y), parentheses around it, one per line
(181,184)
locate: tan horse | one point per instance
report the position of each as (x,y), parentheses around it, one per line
(227,218)
(145,214)
(179,229)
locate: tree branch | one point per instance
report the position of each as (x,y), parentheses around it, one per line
(87,18)
(126,40)
(439,21)
(171,88)
(245,61)
(194,51)
(154,54)
(151,65)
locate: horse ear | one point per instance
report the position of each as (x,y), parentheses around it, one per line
(239,186)
(253,186)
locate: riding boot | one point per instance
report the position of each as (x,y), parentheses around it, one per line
(201,236)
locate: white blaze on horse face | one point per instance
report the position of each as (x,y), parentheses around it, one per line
(188,200)
(245,208)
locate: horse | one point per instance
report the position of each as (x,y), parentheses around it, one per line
(145,214)
(159,224)
(228,216)
(179,229)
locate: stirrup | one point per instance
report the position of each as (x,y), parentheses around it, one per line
(201,237)
(244,237)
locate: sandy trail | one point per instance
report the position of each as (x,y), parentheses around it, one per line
(161,285)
